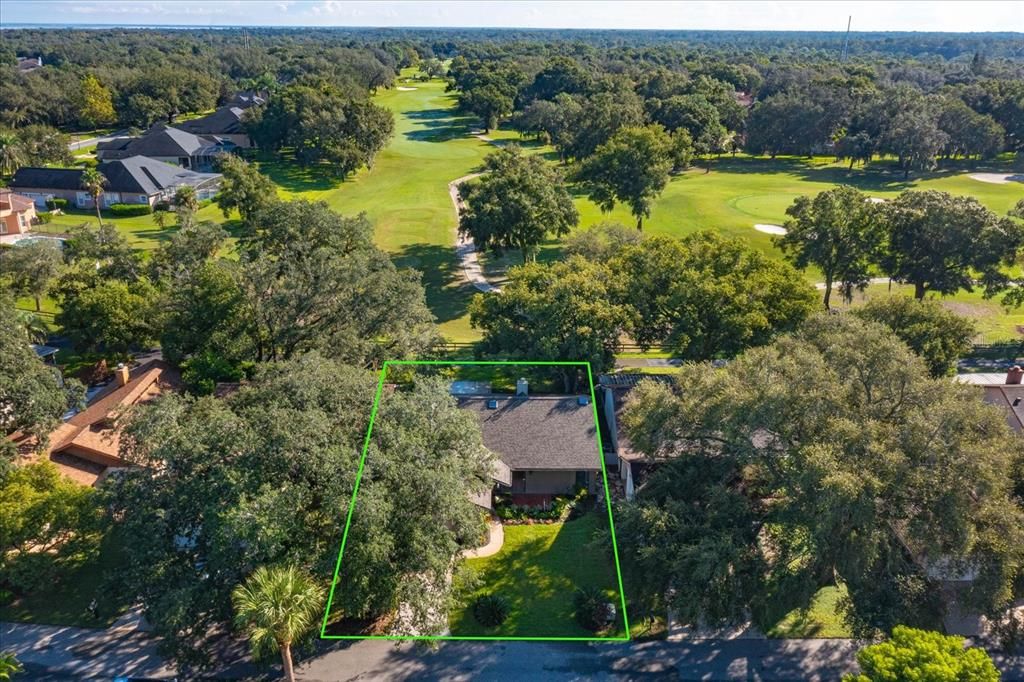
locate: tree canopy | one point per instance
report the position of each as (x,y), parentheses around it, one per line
(827,455)
(631,167)
(558,312)
(841,232)
(519,202)
(918,654)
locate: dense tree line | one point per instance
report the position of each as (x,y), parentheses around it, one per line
(135,78)
(915,112)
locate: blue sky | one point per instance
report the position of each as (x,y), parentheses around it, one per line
(979,15)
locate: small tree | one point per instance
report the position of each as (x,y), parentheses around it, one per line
(160,218)
(277,607)
(33,267)
(631,167)
(921,655)
(841,232)
(93,182)
(10,152)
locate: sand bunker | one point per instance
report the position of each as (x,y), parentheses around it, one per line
(996,178)
(770,229)
(404,88)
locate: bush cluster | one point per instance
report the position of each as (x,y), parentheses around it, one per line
(129,210)
(56,203)
(562,508)
(592,609)
(491,610)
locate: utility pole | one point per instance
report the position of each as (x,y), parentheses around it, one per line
(846,42)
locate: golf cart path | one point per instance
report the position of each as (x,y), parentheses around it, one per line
(465,249)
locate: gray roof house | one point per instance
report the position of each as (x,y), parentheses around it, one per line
(135,180)
(225,122)
(171,145)
(546,444)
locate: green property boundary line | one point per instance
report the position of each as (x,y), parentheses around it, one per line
(359,476)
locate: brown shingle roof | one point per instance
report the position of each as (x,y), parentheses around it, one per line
(538,432)
(86,445)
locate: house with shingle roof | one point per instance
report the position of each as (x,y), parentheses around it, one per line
(546,445)
(135,180)
(225,123)
(167,144)
(86,447)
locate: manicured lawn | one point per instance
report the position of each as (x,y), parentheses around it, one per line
(66,601)
(537,570)
(822,619)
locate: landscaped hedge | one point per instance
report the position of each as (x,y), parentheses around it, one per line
(129,210)
(562,508)
(56,203)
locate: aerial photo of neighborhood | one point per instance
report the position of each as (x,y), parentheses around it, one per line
(539,340)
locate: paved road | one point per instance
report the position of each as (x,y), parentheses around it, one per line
(53,652)
(75,146)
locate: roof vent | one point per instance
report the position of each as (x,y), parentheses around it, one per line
(1016,401)
(492,404)
(582,400)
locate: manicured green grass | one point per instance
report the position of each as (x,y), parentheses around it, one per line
(821,620)
(405,194)
(66,601)
(537,570)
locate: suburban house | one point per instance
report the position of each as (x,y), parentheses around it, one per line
(16,213)
(546,444)
(135,180)
(167,144)
(248,98)
(1003,390)
(26,64)
(85,448)
(225,123)
(631,466)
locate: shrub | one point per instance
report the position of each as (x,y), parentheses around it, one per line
(491,610)
(591,608)
(129,210)
(56,203)
(43,217)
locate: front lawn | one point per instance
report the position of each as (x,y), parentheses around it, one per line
(538,570)
(822,619)
(80,580)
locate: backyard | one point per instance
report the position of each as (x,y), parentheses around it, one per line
(537,570)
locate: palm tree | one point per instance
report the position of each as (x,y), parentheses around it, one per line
(93,182)
(33,325)
(185,197)
(10,152)
(278,606)
(9,665)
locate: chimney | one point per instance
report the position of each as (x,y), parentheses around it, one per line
(122,374)
(1014,375)
(523,387)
